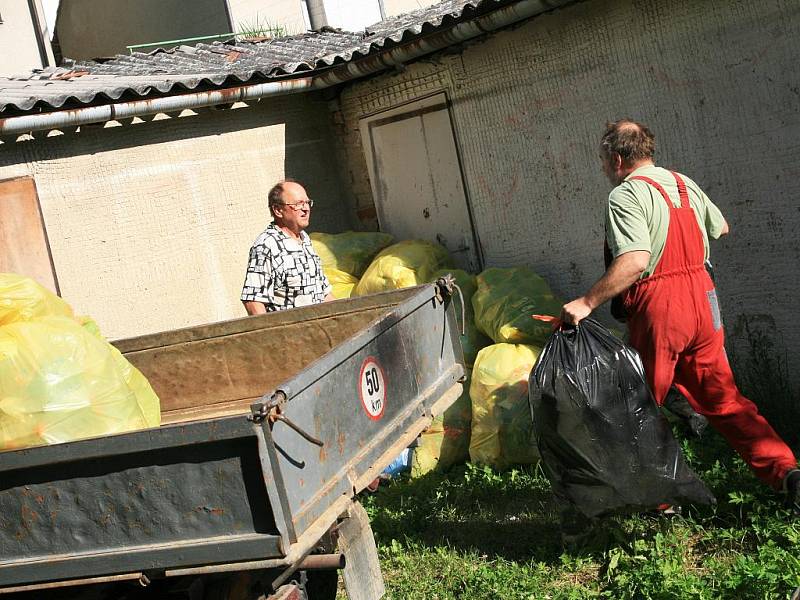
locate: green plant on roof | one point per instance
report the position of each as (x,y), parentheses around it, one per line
(261,27)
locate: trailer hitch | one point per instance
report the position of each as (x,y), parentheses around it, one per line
(272,411)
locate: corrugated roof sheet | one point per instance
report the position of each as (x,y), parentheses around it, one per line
(207,66)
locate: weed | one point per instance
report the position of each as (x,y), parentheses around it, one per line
(479,533)
(259,27)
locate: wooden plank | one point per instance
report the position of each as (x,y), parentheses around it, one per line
(227,370)
(24,247)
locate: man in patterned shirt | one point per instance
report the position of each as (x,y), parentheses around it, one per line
(283,270)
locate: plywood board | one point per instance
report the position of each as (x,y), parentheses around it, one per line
(24,248)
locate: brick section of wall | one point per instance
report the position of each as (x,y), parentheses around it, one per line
(150,224)
(716,81)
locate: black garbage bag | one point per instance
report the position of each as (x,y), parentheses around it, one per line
(604,443)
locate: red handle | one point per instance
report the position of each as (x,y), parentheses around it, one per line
(555,322)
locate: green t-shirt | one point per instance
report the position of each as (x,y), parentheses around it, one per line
(637,218)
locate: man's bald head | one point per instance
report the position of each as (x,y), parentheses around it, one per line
(632,141)
(282,192)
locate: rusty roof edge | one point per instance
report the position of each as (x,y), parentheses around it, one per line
(355,69)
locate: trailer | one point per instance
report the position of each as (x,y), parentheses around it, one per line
(271,427)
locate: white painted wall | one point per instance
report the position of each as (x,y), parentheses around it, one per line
(398,7)
(717,82)
(284,13)
(19,50)
(150,224)
(352,15)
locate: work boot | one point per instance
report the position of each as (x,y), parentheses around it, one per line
(791,485)
(677,404)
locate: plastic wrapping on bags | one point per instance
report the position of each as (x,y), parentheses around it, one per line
(502,431)
(506,299)
(22,299)
(59,383)
(145,396)
(345,256)
(604,443)
(445,442)
(342,283)
(350,252)
(401,265)
(472,340)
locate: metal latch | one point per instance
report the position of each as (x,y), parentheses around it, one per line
(444,289)
(272,411)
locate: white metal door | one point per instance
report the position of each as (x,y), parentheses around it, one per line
(416,178)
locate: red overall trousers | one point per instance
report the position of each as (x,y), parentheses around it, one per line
(675,326)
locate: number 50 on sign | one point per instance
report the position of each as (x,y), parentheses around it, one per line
(372,388)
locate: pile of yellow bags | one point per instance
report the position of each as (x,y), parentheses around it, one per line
(446,442)
(491,422)
(505,301)
(345,256)
(59,379)
(502,428)
(401,265)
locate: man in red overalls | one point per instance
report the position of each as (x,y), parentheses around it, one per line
(657,228)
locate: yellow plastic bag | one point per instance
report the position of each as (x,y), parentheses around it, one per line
(502,428)
(505,301)
(341,282)
(405,264)
(22,299)
(145,395)
(345,256)
(59,382)
(349,252)
(472,340)
(446,442)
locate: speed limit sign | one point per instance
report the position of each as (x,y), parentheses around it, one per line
(372,388)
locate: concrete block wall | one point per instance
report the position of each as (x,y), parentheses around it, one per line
(150,224)
(716,81)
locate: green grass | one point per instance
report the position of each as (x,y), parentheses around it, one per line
(477,533)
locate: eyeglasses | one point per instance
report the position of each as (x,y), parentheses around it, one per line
(299,205)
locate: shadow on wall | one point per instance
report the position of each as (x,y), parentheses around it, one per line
(311,159)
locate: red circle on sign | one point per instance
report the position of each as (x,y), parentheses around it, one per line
(372,388)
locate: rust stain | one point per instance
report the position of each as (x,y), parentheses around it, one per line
(340,440)
(70,75)
(217,512)
(39,500)
(28,516)
(323,455)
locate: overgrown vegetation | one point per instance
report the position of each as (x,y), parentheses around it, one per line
(259,28)
(476,533)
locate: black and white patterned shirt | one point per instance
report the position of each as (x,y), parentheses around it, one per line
(284,273)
